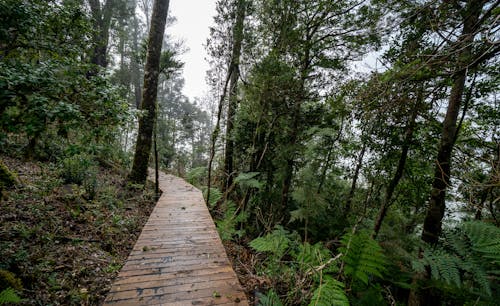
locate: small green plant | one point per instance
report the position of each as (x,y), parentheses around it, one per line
(9,296)
(215,196)
(227,226)
(269,299)
(77,169)
(329,292)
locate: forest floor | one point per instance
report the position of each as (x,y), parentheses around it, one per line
(244,262)
(64,247)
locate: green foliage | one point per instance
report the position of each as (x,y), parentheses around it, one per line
(269,299)
(215,196)
(362,256)
(79,169)
(485,239)
(227,226)
(468,258)
(329,293)
(195,176)
(9,296)
(7,178)
(276,242)
(248,180)
(9,279)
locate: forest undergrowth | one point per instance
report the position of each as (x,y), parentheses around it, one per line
(63,243)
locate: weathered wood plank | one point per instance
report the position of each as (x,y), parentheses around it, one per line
(178,259)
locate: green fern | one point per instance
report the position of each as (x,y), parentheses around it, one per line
(468,253)
(227,226)
(248,180)
(215,196)
(329,293)
(276,242)
(9,296)
(312,256)
(485,239)
(362,256)
(269,299)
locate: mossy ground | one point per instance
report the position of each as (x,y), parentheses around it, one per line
(65,248)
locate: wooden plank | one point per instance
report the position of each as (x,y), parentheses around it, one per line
(178,259)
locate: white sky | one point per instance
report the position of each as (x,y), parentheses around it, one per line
(193,19)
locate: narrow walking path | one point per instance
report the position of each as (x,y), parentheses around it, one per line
(179,258)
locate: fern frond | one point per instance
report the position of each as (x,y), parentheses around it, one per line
(329,293)
(485,239)
(227,226)
(248,180)
(311,256)
(276,242)
(215,196)
(269,299)
(9,296)
(362,256)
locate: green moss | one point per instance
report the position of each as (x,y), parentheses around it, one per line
(9,280)
(7,178)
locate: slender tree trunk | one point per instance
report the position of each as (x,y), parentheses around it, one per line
(437,202)
(359,164)
(399,170)
(233,91)
(139,171)
(216,131)
(136,78)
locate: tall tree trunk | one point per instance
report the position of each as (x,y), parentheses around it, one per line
(102,21)
(399,170)
(437,202)
(136,78)
(233,90)
(437,205)
(139,171)
(359,164)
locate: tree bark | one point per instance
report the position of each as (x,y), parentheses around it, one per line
(359,164)
(399,170)
(139,171)
(134,65)
(102,21)
(435,212)
(233,90)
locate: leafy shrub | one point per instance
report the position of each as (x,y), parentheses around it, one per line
(77,169)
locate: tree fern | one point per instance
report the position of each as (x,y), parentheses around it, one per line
(329,292)
(9,296)
(362,256)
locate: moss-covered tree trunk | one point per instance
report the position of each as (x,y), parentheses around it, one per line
(139,171)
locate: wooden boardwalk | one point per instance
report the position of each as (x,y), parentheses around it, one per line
(179,258)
